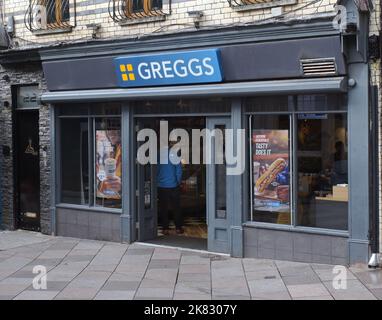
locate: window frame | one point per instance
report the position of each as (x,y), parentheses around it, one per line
(57,16)
(293,114)
(91,119)
(140,8)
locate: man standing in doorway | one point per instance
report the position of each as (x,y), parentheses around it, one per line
(169,178)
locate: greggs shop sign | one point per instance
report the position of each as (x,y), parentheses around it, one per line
(189,67)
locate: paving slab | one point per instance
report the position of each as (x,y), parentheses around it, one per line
(355,290)
(14,239)
(154,293)
(308,290)
(190,296)
(197,288)
(36,295)
(115,295)
(121,286)
(315,298)
(371,278)
(377,293)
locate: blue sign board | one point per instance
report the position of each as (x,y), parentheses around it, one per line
(190,67)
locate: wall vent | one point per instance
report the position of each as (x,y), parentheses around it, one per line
(319,67)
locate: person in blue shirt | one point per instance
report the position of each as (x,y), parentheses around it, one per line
(169,177)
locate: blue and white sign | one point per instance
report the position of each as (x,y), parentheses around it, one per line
(190,67)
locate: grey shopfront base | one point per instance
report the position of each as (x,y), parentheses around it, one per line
(85,224)
(264,243)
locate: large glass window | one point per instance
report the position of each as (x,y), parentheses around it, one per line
(74,161)
(270,169)
(322,171)
(91,158)
(299,161)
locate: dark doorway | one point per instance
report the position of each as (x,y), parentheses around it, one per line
(27,171)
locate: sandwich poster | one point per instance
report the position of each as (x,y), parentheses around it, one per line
(108,164)
(271,170)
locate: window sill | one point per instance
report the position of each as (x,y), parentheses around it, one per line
(276,227)
(263,5)
(87,208)
(129,22)
(44,32)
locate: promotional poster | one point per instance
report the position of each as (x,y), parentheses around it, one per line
(271,170)
(108,166)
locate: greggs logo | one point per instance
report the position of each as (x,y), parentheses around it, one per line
(188,67)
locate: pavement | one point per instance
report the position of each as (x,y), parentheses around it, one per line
(86,270)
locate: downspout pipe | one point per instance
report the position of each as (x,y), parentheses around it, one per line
(374,261)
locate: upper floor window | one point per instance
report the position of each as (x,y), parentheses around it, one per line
(243,5)
(49,14)
(125,10)
(57,11)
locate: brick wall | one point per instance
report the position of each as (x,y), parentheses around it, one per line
(21,75)
(216,13)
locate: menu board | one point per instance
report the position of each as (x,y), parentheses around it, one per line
(271,179)
(108,164)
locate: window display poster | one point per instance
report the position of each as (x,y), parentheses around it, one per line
(108,164)
(271,170)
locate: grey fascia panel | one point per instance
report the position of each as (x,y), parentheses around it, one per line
(328,85)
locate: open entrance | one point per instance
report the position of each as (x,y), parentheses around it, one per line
(155,201)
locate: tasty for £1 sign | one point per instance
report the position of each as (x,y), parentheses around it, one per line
(202,66)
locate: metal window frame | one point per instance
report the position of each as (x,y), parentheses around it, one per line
(57,201)
(294,169)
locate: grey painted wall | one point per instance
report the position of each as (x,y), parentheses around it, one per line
(296,246)
(88,225)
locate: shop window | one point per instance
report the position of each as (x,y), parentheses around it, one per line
(299,161)
(322,157)
(270,174)
(48,14)
(91,158)
(124,10)
(245,5)
(74,161)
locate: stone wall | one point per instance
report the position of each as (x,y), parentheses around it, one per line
(12,76)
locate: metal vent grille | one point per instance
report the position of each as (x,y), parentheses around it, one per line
(319,67)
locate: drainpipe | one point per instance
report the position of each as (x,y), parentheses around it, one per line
(374,261)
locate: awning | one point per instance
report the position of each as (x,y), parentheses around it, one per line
(299,86)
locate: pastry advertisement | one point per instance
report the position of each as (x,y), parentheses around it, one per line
(271,170)
(108,164)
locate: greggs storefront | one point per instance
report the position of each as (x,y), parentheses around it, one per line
(270,135)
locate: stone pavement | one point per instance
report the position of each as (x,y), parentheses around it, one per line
(84,269)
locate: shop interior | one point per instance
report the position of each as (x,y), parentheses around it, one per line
(192,191)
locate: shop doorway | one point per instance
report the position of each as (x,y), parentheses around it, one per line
(205,191)
(27,198)
(192,195)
